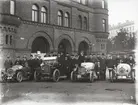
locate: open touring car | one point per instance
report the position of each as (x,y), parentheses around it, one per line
(51,70)
(85,71)
(122,71)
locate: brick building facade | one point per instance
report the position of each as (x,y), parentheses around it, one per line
(28,26)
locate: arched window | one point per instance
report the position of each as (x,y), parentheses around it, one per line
(79,22)
(35,13)
(84,2)
(103,3)
(104,25)
(60,18)
(44,15)
(12,7)
(85,23)
(6,39)
(67,19)
(10,40)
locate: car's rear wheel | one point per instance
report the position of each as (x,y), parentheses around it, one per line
(56,75)
(91,77)
(73,76)
(37,76)
(19,76)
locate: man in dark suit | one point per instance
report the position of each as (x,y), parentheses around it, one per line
(81,58)
(8,63)
(18,61)
(30,64)
(125,59)
(103,67)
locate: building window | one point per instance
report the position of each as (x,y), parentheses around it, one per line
(104,25)
(102,46)
(85,23)
(43,15)
(66,19)
(60,18)
(12,7)
(103,3)
(10,40)
(84,2)
(6,39)
(79,1)
(35,13)
(79,22)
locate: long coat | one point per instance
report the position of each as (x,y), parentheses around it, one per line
(103,64)
(8,64)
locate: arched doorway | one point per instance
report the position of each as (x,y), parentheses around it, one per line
(40,44)
(83,46)
(64,46)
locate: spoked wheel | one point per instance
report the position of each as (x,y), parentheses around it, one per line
(91,77)
(133,76)
(4,78)
(56,75)
(19,76)
(111,76)
(37,76)
(73,76)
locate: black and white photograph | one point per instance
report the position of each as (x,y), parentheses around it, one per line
(69,52)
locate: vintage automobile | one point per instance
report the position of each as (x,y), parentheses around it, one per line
(85,71)
(50,70)
(16,73)
(122,71)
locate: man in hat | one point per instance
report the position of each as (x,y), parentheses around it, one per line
(8,63)
(81,58)
(18,61)
(131,61)
(30,64)
(125,59)
(103,67)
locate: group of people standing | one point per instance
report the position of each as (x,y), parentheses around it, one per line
(101,61)
(68,61)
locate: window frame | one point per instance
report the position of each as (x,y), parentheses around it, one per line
(85,23)
(35,13)
(79,21)
(104,25)
(44,15)
(12,7)
(103,4)
(7,39)
(67,20)
(60,18)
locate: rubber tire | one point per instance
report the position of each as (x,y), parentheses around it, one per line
(111,76)
(133,76)
(54,74)
(4,78)
(36,78)
(19,76)
(73,77)
(91,77)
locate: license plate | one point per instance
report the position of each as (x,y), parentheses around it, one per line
(79,76)
(121,77)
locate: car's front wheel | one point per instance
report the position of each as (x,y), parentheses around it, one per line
(73,76)
(91,77)
(37,76)
(19,76)
(133,76)
(56,75)
(4,78)
(111,76)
